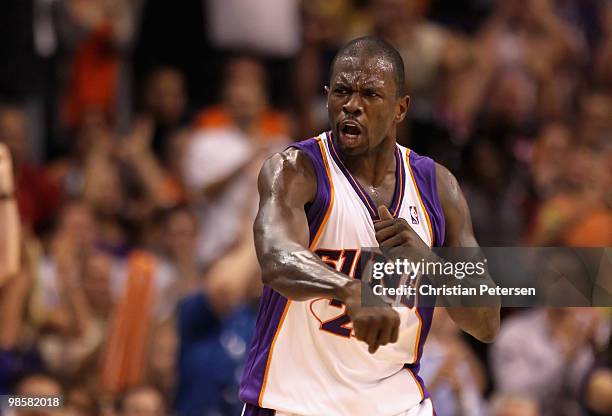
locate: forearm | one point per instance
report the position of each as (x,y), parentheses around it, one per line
(480,322)
(298,274)
(480,318)
(476,315)
(9,238)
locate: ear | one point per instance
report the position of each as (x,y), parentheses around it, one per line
(326,89)
(401,109)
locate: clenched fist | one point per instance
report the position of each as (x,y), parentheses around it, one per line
(375,326)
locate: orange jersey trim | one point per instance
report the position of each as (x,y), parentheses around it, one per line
(315,240)
(417,383)
(265,380)
(418,337)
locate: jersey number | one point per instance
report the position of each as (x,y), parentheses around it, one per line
(346,262)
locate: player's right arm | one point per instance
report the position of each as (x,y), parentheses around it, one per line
(286,183)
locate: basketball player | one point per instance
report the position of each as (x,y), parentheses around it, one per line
(317,351)
(9,219)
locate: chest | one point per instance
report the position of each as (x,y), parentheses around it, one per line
(353,212)
(382,194)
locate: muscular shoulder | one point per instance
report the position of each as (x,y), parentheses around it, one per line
(459,232)
(289,172)
(449,191)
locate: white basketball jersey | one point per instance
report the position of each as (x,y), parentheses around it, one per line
(305,359)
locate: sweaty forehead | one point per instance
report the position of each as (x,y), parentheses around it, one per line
(372,69)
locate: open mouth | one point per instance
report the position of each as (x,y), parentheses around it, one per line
(350,128)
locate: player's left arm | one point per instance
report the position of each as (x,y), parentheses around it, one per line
(480,322)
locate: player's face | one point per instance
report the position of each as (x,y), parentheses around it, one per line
(363,104)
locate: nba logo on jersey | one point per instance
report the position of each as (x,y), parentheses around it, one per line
(414,214)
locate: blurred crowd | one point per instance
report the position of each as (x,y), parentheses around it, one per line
(136,130)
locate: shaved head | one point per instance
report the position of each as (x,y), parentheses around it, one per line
(374,47)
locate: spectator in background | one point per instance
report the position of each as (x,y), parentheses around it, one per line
(421,43)
(454,376)
(551,362)
(581,213)
(245,104)
(140,342)
(268,27)
(105,194)
(37,197)
(165,103)
(549,160)
(325,24)
(508,113)
(177,258)
(158,181)
(597,385)
(71,331)
(19,354)
(37,385)
(519,33)
(89,136)
(216,324)
(76,231)
(602,66)
(532,35)
(493,194)
(228,143)
(142,401)
(161,365)
(94,36)
(594,125)
(514,405)
(80,399)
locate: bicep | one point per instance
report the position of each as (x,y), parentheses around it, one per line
(285,185)
(459,229)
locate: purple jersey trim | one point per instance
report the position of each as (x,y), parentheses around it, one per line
(426,319)
(315,210)
(424,171)
(269,316)
(398,194)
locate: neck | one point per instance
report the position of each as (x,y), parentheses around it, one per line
(373,165)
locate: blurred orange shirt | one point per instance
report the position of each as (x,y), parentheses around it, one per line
(589,228)
(592,230)
(271,124)
(94,76)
